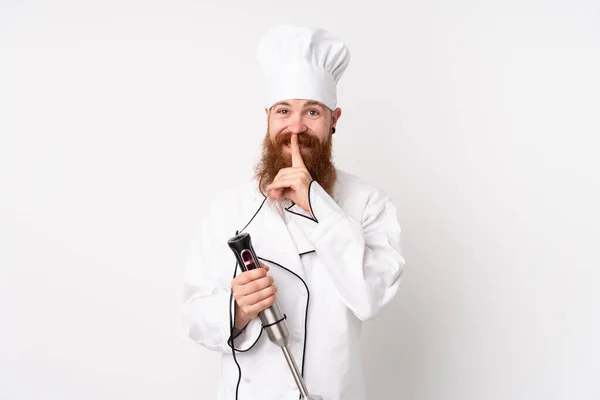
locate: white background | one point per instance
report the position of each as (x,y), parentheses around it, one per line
(120,119)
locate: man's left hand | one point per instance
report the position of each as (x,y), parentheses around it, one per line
(292,183)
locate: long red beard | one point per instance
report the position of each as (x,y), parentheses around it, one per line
(318,160)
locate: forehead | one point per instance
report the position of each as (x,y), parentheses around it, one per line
(299,103)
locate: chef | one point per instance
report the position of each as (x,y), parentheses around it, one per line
(329,243)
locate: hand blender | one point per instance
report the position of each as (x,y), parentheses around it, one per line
(272,318)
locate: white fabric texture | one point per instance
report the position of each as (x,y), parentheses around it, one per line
(302,63)
(332,274)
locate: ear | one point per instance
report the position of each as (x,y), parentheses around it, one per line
(335,115)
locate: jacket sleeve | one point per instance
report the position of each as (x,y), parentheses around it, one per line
(209,309)
(363,258)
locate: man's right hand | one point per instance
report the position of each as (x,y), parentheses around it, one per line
(253,292)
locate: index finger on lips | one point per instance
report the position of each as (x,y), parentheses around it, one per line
(296,156)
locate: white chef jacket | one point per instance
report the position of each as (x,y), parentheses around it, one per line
(333,272)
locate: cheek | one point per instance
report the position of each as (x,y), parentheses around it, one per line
(321,130)
(275,128)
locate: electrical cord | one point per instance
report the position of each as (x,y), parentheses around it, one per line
(231,338)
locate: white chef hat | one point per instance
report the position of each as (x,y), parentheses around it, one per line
(302,63)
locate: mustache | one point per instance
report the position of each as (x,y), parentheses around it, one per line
(304,140)
(318,160)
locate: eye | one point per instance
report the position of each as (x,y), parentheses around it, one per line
(313,113)
(282,111)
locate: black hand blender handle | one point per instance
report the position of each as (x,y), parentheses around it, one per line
(241,245)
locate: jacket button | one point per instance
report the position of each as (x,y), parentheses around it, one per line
(247,380)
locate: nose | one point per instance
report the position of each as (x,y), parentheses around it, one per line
(297,125)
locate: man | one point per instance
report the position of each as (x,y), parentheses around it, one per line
(329,243)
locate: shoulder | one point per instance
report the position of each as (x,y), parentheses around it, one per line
(234,196)
(349,185)
(359,197)
(234,206)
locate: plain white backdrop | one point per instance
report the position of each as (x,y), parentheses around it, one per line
(120,120)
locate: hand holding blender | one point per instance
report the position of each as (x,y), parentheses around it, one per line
(272,318)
